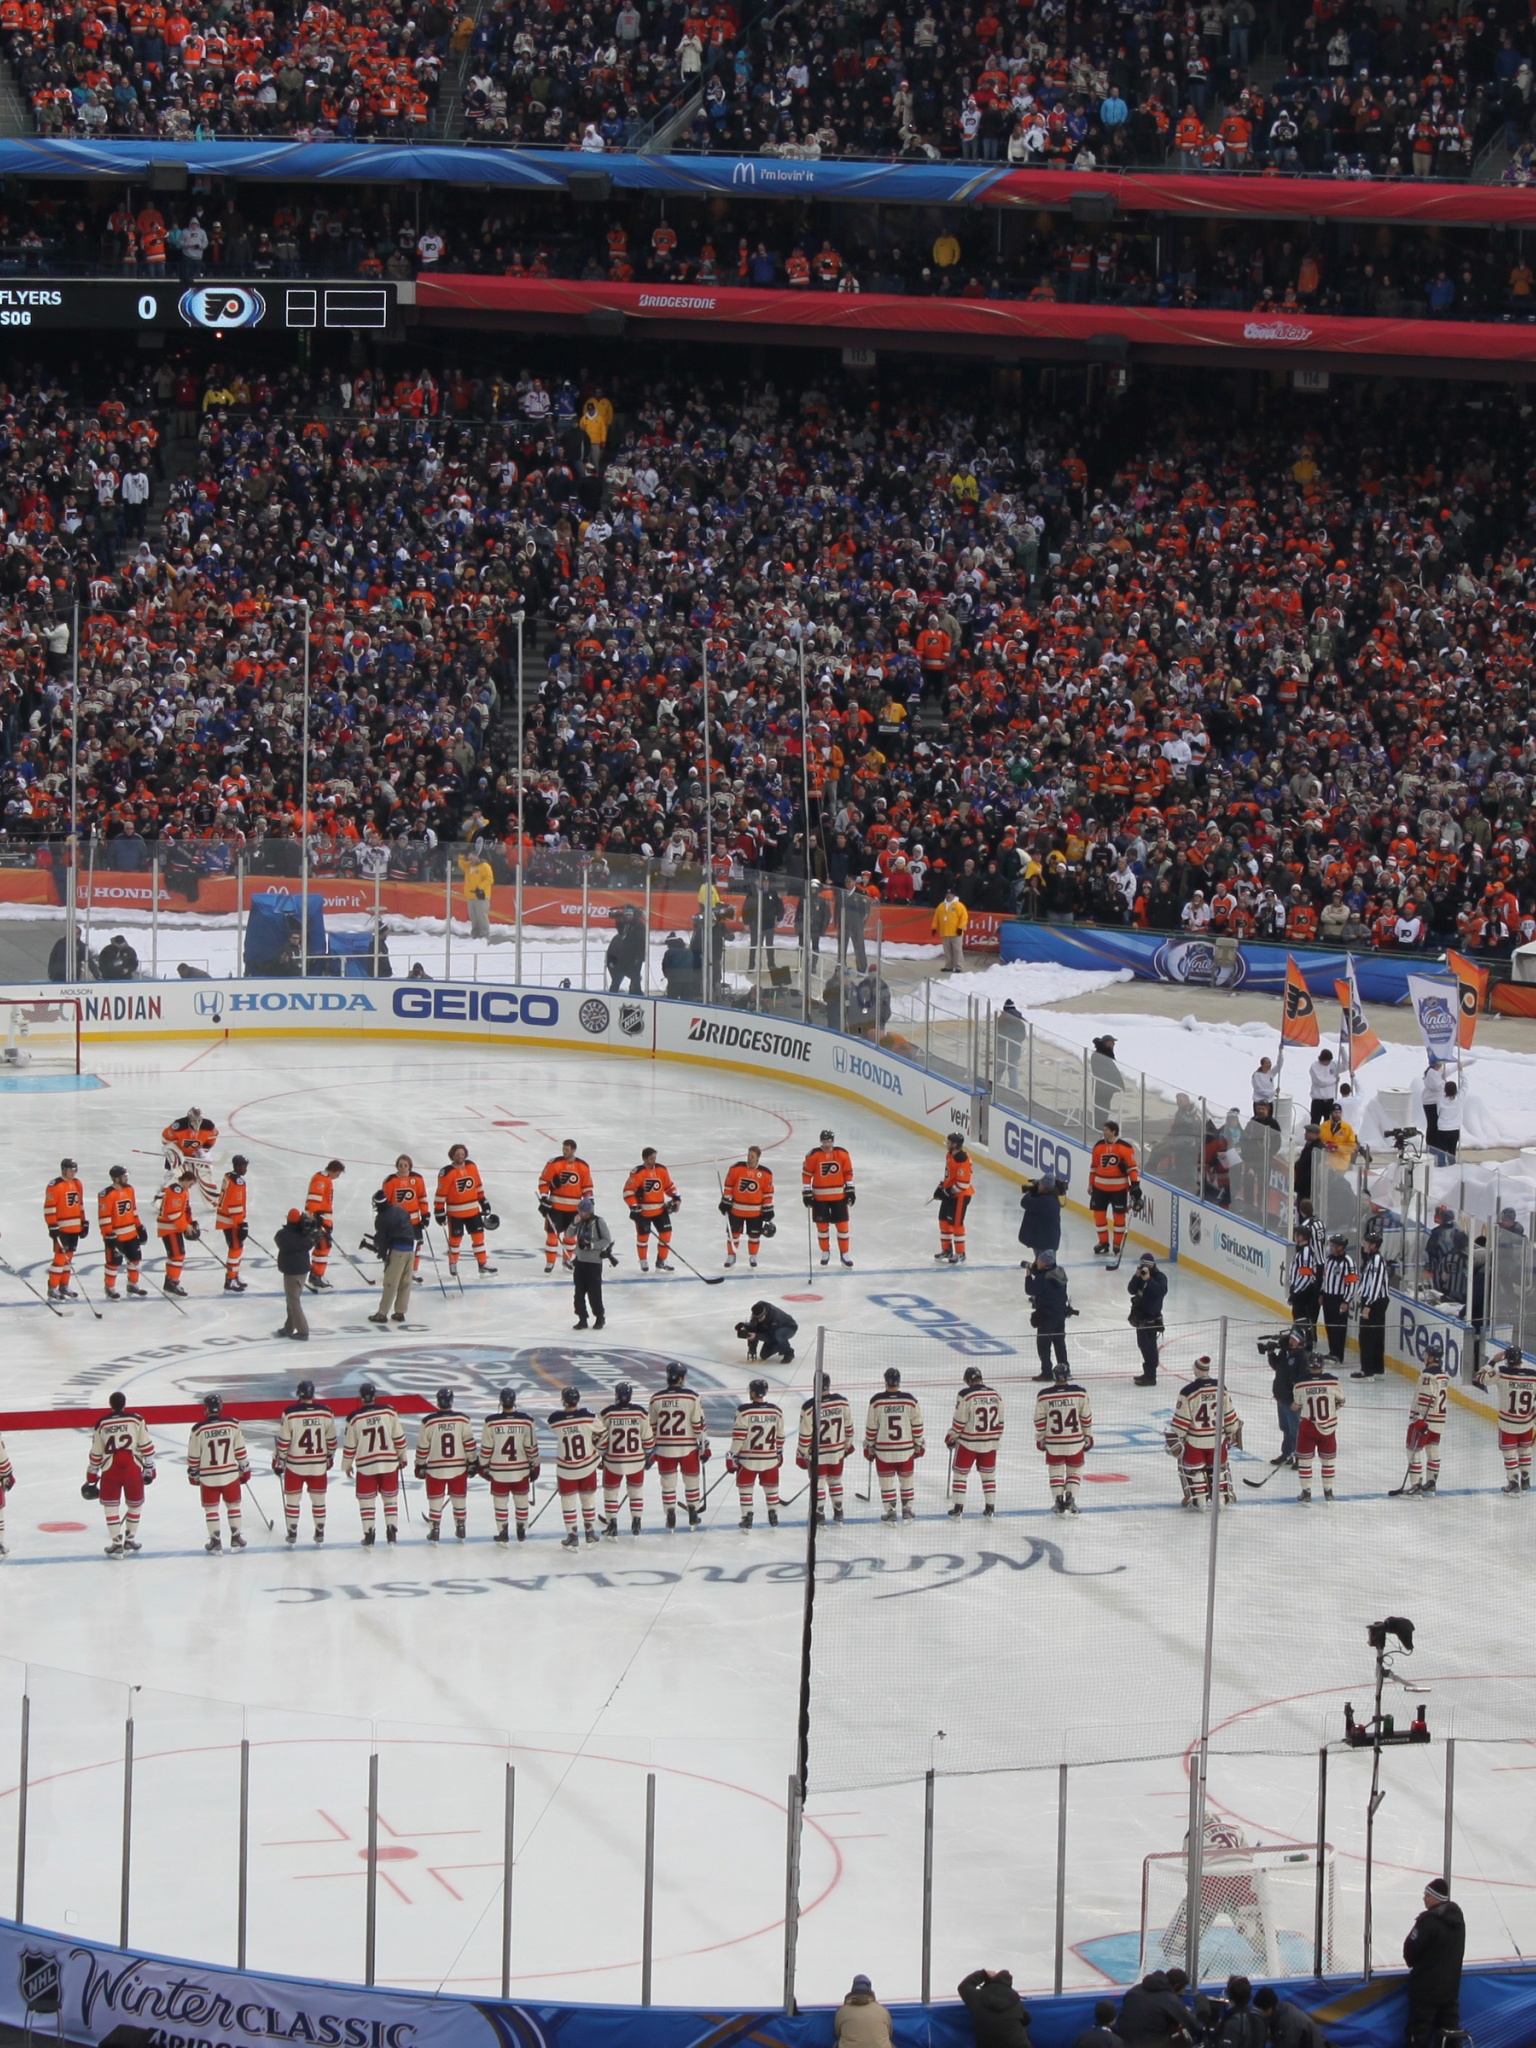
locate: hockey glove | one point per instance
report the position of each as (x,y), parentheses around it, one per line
(705,1454)
(767,1218)
(725,1208)
(150,1475)
(1039,1443)
(1138,1201)
(278,1468)
(191,1477)
(440,1216)
(90,1491)
(674,1203)
(730,1462)
(1087,1443)
(949,1442)
(808,1198)
(85,1229)
(10,1483)
(850,1198)
(938,1193)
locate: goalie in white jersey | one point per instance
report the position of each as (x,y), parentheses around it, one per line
(1204,1429)
(220,1465)
(1516,1384)
(974,1436)
(1064,1431)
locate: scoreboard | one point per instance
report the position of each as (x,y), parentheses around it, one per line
(214,306)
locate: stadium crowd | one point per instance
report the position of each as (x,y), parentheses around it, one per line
(1360,91)
(1262,668)
(1275,266)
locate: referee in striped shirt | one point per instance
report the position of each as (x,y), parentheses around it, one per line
(1337,1281)
(1371,1298)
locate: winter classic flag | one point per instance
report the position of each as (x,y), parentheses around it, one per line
(1472,989)
(1357,1041)
(1435,1004)
(1299,1024)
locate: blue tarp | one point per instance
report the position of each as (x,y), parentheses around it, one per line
(376,163)
(1167,956)
(266,927)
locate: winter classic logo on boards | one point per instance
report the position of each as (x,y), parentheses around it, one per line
(747,1038)
(1194,960)
(593,1017)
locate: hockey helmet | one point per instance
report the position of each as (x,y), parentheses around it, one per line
(1513,1355)
(954,1141)
(758,1390)
(1061,1370)
(972,1375)
(490,1220)
(892,1376)
(117,1173)
(305,1390)
(508,1399)
(213,1404)
(367,1391)
(676,1374)
(68,1166)
(445,1397)
(569,1397)
(624,1392)
(826,1383)
(829,1137)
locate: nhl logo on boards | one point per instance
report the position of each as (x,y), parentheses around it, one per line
(1192,1224)
(40,1980)
(594,1017)
(631,1019)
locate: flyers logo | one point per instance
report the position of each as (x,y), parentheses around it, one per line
(1298,1002)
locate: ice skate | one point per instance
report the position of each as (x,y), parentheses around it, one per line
(175,1287)
(671,1518)
(826,1258)
(319,1535)
(592,1535)
(695,1516)
(1059,1504)
(1327,1493)
(115,1547)
(434,1533)
(292,1536)
(236,1540)
(746,1520)
(957,1511)
(908,1512)
(611,1526)
(522,1532)
(1511,1486)
(730,1258)
(773,1518)
(845,1259)
(988,1511)
(1305,1493)
(634,1525)
(138,1293)
(484,1268)
(460,1532)
(132,1543)
(889,1515)
(571,1542)
(837,1514)
(234,1287)
(1072,1506)
(391,1533)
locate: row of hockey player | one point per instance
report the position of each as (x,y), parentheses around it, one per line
(619,1443)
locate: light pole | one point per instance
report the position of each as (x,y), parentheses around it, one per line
(302,604)
(517,967)
(707,899)
(72,899)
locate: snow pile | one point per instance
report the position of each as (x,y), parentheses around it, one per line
(1025,982)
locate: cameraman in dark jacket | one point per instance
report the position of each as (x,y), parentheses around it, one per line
(1433,1952)
(769,1332)
(998,2018)
(1148,1289)
(1288,1357)
(1046,1286)
(1040,1228)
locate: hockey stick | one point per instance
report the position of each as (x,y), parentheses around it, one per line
(709,1279)
(723,1473)
(95,1311)
(250,1494)
(553,1494)
(52,1306)
(795,1496)
(869,1474)
(1280,1466)
(807,1244)
(426,1232)
(1396,1492)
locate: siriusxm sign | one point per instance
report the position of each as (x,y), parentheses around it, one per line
(860,1067)
(1037,1152)
(1242,1249)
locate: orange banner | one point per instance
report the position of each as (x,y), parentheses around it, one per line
(1298,1026)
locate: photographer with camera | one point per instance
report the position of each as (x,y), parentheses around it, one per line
(1046,1285)
(1288,1358)
(1148,1290)
(769,1332)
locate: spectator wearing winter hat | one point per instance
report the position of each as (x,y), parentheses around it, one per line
(998,2017)
(294,1243)
(861,2021)
(1433,1952)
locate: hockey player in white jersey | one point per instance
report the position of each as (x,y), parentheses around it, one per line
(975,1433)
(1064,1431)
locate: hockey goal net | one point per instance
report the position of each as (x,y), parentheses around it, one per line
(43,1034)
(1258,1911)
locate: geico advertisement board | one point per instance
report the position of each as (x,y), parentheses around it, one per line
(1030,1151)
(794,1051)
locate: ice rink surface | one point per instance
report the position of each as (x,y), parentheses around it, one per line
(994,1651)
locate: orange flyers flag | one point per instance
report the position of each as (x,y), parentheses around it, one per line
(1472,991)
(1357,1035)
(1298,1026)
